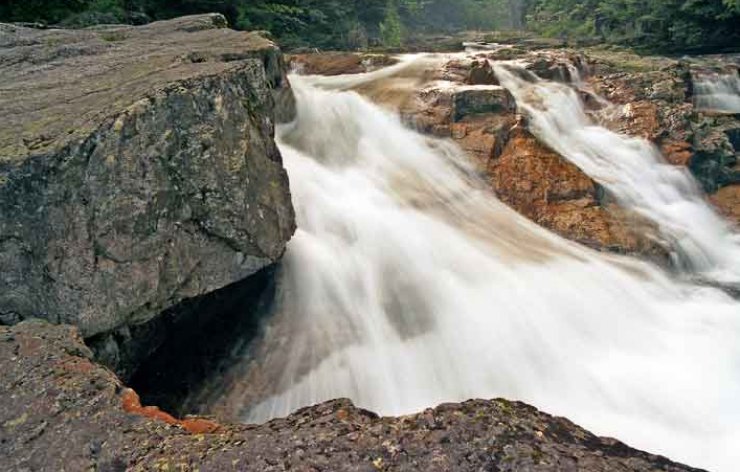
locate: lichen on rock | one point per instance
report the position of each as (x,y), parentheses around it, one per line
(137,173)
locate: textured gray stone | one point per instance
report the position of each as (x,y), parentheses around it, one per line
(137,168)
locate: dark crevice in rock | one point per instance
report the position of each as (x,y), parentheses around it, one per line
(170,359)
(714,170)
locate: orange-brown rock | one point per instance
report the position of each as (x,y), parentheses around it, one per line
(484,136)
(481,73)
(528,176)
(131,403)
(642,119)
(538,183)
(727,201)
(430,112)
(677,152)
(638,118)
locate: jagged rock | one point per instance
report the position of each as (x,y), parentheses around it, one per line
(561,66)
(481,73)
(61,411)
(715,159)
(727,200)
(656,102)
(551,191)
(528,176)
(477,100)
(456,70)
(483,136)
(137,168)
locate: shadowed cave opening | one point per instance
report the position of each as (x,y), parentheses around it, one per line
(200,339)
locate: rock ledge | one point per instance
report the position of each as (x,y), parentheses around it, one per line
(62,411)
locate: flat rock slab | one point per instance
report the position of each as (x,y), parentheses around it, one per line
(60,411)
(60,85)
(137,168)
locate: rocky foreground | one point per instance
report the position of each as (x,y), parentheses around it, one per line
(62,411)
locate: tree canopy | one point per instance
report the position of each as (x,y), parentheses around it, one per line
(672,25)
(668,25)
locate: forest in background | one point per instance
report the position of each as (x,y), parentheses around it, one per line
(658,25)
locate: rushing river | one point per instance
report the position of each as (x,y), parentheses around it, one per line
(409,284)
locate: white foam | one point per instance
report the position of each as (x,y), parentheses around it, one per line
(408,284)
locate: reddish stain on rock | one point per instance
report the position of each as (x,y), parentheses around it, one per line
(199,426)
(132,404)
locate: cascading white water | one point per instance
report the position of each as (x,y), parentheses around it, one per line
(634,171)
(717,92)
(409,284)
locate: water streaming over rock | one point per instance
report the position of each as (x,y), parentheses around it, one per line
(409,284)
(717,92)
(634,171)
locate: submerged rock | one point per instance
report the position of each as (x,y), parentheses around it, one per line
(61,411)
(137,168)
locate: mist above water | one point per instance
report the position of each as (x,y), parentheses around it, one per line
(409,284)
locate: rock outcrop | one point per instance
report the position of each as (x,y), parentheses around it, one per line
(61,411)
(137,169)
(646,97)
(338,63)
(551,191)
(656,99)
(525,174)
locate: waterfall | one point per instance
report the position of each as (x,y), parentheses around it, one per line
(634,171)
(409,284)
(717,92)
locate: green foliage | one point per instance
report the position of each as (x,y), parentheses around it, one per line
(391,29)
(668,25)
(98,12)
(40,10)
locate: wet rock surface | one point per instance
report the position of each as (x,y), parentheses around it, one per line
(137,169)
(650,98)
(142,198)
(727,200)
(528,176)
(544,187)
(656,98)
(338,63)
(61,411)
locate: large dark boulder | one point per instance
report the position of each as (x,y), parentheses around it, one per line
(137,168)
